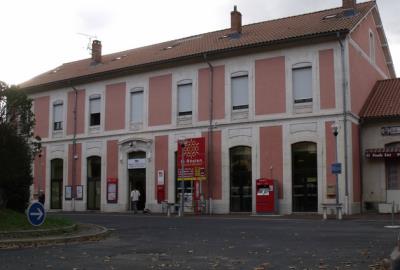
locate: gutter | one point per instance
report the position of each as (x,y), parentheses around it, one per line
(344,95)
(74,154)
(210,128)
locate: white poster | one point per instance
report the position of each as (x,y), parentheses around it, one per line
(136,163)
(160,177)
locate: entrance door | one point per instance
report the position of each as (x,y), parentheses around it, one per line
(137,177)
(304,177)
(240,179)
(56,184)
(93,183)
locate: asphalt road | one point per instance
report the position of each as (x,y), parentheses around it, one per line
(158,242)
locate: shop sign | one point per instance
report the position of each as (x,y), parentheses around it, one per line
(390,131)
(136,163)
(382,154)
(194,161)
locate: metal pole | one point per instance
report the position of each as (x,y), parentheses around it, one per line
(39,172)
(182,179)
(335,133)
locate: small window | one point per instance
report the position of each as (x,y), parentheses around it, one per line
(372,46)
(58,115)
(185,99)
(302,84)
(94,106)
(240,92)
(137,106)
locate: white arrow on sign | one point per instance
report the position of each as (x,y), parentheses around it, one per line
(39,214)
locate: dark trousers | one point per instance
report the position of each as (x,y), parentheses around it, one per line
(134,206)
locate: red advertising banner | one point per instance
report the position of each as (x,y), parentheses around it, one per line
(194,161)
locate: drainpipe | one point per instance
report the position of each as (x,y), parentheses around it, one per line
(344,88)
(210,127)
(74,156)
(360,143)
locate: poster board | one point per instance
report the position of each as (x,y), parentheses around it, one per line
(68,193)
(112,190)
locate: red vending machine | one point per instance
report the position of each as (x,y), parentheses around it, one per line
(267,196)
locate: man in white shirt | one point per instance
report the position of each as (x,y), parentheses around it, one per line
(135,194)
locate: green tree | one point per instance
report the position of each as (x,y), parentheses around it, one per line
(16,147)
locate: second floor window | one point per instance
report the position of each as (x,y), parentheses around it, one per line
(58,115)
(94,107)
(302,84)
(137,107)
(240,92)
(185,99)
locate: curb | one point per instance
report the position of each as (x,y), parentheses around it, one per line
(101,233)
(39,232)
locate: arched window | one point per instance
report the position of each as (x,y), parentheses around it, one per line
(56,183)
(93,182)
(240,179)
(304,177)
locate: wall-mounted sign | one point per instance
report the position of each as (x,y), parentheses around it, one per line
(390,131)
(160,177)
(192,152)
(112,190)
(68,192)
(136,163)
(79,192)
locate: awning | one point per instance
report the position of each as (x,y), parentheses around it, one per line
(382,153)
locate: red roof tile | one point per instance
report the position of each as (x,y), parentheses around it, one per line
(258,34)
(384,100)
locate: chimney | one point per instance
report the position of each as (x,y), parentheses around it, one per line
(349,4)
(236,21)
(96,51)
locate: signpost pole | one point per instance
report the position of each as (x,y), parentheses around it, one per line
(181,209)
(335,133)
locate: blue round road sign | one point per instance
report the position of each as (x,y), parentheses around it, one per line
(36,214)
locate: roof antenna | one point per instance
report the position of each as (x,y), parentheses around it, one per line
(90,39)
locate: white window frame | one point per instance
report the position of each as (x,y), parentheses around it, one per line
(186,113)
(302,66)
(242,107)
(58,125)
(91,98)
(136,91)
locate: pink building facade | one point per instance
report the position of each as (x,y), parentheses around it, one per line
(272,112)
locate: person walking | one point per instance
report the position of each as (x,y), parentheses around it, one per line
(135,194)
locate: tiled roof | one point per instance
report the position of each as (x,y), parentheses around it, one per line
(265,33)
(384,100)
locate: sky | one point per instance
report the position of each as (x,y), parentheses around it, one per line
(37,36)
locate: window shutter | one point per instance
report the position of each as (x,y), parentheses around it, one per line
(302,84)
(137,107)
(94,105)
(185,98)
(240,92)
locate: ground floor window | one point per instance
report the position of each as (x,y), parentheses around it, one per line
(56,183)
(393,170)
(304,177)
(240,179)
(93,183)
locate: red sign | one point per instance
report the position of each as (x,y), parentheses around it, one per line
(194,161)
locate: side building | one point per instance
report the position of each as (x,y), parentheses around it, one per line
(265,97)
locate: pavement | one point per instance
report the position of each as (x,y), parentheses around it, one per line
(217,242)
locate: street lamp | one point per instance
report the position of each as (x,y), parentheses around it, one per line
(335,131)
(39,173)
(182,144)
